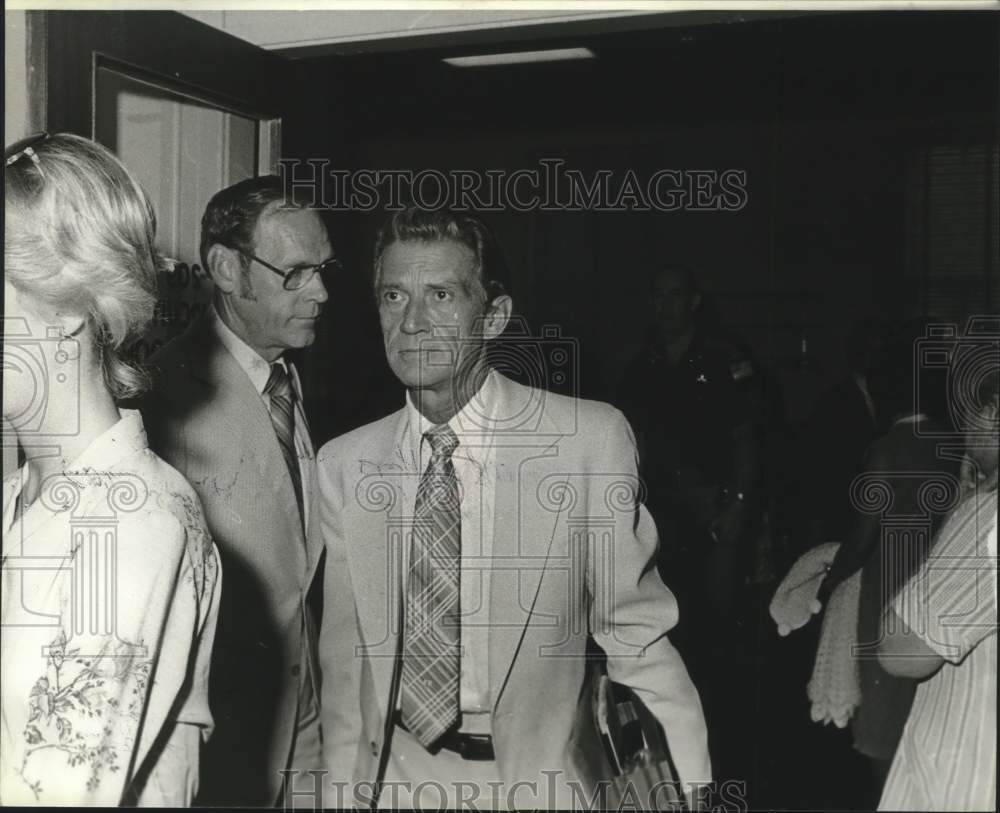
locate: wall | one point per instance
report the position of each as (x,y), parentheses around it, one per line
(15,126)
(15,40)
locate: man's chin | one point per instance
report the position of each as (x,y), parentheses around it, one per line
(415,377)
(304,339)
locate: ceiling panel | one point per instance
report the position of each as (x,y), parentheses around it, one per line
(278,30)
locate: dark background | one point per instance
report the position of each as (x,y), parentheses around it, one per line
(829,115)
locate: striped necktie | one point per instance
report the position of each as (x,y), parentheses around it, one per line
(282,395)
(429,684)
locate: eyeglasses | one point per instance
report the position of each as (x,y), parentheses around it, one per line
(25,147)
(300,276)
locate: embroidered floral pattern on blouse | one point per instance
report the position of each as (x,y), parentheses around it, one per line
(107,633)
(76,706)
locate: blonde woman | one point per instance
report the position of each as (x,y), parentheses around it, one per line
(110,579)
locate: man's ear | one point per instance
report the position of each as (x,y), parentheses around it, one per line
(225,267)
(497,316)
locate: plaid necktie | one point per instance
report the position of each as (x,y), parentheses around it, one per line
(429,684)
(282,395)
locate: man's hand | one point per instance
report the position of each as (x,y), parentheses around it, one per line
(727,527)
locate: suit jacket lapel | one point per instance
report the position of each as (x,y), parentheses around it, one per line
(526,454)
(314,546)
(246,417)
(377,516)
(378,513)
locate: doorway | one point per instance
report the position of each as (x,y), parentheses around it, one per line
(182,149)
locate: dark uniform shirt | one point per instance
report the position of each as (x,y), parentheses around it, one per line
(685,413)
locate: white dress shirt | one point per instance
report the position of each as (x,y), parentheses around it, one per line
(475,469)
(259,370)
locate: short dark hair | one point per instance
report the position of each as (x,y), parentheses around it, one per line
(416,224)
(680,269)
(232,214)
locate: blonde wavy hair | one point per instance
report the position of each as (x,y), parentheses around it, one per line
(79,236)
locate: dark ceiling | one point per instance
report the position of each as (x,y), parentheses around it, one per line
(874,64)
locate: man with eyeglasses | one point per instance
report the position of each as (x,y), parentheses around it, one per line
(227,413)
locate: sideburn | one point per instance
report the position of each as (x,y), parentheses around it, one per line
(246,290)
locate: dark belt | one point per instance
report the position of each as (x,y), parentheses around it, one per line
(478,747)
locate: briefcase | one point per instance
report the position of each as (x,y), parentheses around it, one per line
(627,759)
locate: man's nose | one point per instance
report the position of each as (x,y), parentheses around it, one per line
(316,289)
(414,317)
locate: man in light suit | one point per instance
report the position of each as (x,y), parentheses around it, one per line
(227,413)
(474,538)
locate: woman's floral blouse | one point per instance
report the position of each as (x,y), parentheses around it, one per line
(110,596)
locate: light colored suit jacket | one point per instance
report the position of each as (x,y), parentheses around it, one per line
(571,554)
(207,420)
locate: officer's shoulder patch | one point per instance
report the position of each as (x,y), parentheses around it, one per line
(741,370)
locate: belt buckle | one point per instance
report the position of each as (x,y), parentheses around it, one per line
(475,747)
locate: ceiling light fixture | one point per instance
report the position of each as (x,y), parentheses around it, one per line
(552,55)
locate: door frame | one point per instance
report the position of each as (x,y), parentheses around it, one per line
(67,47)
(267,145)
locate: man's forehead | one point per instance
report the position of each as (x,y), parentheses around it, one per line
(429,259)
(288,228)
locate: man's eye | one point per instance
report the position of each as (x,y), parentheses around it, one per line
(391,296)
(442,296)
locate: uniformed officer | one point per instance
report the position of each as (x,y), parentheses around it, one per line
(690,396)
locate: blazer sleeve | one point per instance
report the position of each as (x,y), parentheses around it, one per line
(950,603)
(105,695)
(171,751)
(631,612)
(340,637)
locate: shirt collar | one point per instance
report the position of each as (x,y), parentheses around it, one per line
(659,350)
(121,440)
(251,362)
(473,423)
(125,438)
